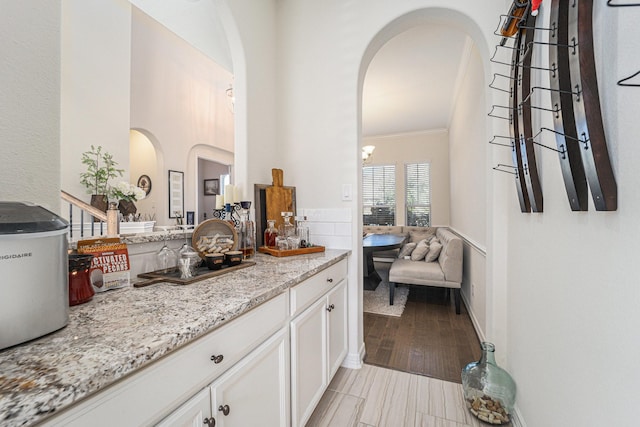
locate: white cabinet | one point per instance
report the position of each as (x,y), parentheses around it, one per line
(150,394)
(337,324)
(318,346)
(253,392)
(193,413)
(309,376)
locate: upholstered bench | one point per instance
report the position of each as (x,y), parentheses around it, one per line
(442,270)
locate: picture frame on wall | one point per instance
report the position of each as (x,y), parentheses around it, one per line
(211,187)
(144,182)
(176,194)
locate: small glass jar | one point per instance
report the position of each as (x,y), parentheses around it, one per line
(282,243)
(270,233)
(189,263)
(489,390)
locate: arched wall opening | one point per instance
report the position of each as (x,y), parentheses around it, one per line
(478,234)
(146,158)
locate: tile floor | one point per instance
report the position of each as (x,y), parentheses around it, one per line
(380,397)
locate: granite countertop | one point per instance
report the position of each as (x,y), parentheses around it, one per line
(121,330)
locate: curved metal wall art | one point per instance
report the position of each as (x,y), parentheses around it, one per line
(573,173)
(575,106)
(586,107)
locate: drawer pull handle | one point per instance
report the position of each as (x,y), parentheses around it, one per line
(331,307)
(211,422)
(217,359)
(224,409)
(330,280)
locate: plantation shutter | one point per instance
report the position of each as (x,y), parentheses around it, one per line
(379,195)
(418,194)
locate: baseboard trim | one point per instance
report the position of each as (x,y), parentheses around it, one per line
(474,320)
(516,418)
(354,360)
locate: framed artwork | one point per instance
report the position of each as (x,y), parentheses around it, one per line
(176,194)
(211,187)
(144,182)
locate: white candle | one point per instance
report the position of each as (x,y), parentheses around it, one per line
(219,201)
(229,194)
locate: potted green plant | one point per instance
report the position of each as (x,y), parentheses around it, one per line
(100,169)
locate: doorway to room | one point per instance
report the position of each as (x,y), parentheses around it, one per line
(415,94)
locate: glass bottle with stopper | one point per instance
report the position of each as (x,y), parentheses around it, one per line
(246,232)
(289,231)
(288,228)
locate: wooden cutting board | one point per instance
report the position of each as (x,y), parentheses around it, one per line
(278,198)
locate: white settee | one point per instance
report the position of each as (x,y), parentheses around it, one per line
(443,271)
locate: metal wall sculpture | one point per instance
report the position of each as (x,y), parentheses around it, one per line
(575,105)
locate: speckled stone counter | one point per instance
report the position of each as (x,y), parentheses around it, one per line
(122,330)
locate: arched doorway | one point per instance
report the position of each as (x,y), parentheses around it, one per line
(466,153)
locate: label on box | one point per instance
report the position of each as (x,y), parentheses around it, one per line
(110,268)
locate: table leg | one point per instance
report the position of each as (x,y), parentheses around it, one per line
(371,278)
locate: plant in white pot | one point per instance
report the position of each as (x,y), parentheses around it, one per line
(100,169)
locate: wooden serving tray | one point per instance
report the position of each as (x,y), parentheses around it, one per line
(290,252)
(202,273)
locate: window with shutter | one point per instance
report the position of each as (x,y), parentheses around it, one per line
(418,194)
(379,195)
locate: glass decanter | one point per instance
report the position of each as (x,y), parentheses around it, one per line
(246,232)
(489,390)
(289,231)
(287,228)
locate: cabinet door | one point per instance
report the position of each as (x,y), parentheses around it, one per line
(192,413)
(337,321)
(308,361)
(255,392)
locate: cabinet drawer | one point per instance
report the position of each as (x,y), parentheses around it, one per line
(308,291)
(151,393)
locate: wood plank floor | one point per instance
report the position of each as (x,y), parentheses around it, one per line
(429,339)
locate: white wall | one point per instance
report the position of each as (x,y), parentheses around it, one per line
(573,292)
(179,96)
(251,29)
(95,86)
(468,152)
(30,107)
(417,147)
